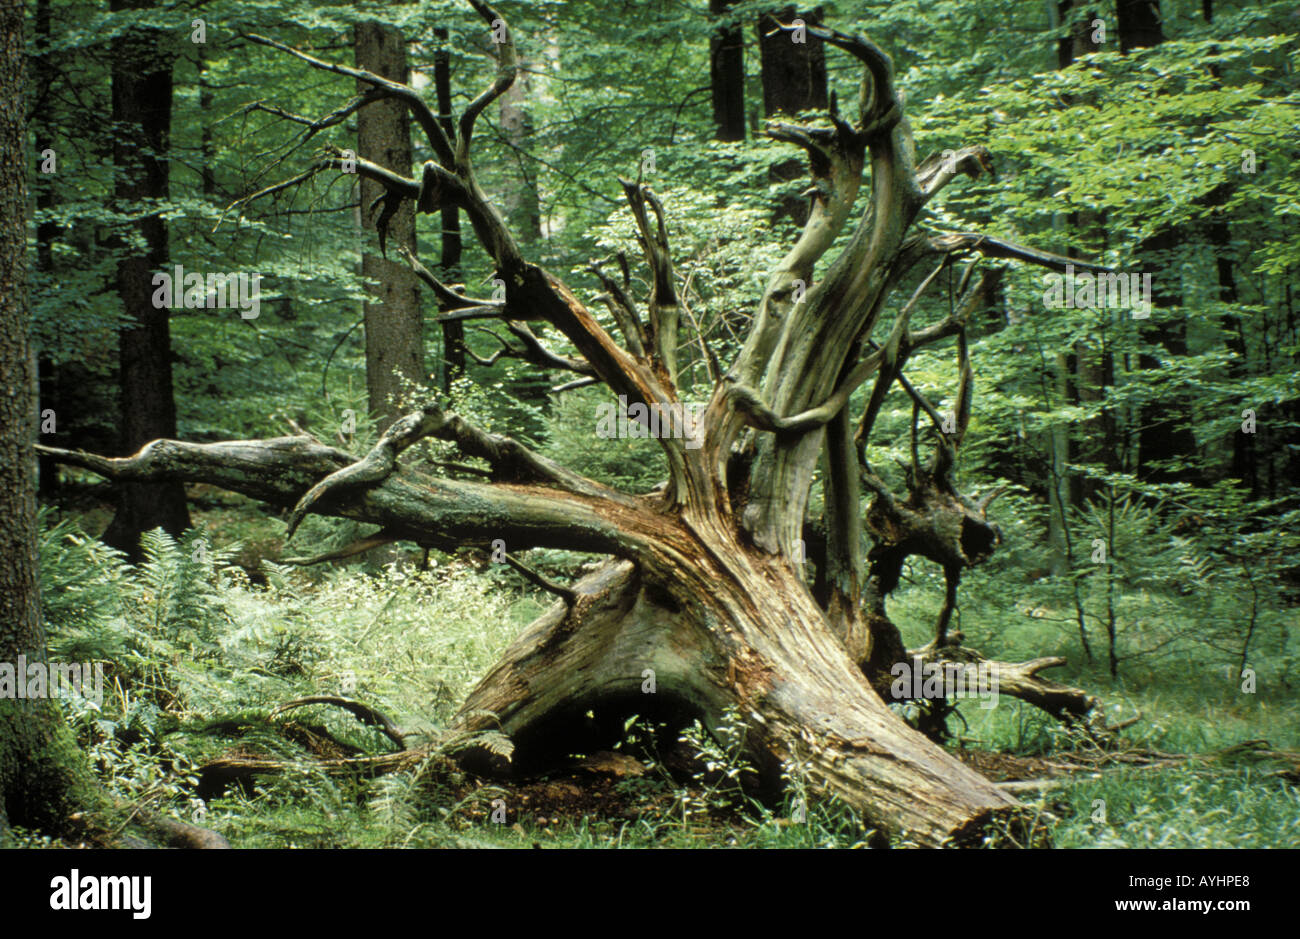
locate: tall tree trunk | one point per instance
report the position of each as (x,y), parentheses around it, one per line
(793,73)
(206,151)
(1165,431)
(1093,369)
(48,230)
(1139,24)
(1079,41)
(40,767)
(1059,493)
(453,331)
(1219,235)
(727,75)
(520,201)
(394,322)
(793,64)
(142,107)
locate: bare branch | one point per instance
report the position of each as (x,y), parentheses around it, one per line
(908,343)
(507,69)
(360,546)
(538,354)
(447,297)
(622,308)
(992,247)
(565,593)
(575,384)
(939,169)
(509,459)
(424,116)
(316,125)
(506,349)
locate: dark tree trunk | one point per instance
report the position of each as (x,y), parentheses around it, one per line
(206,150)
(38,761)
(1139,24)
(793,72)
(1219,235)
(1079,40)
(142,104)
(453,332)
(46,231)
(1165,431)
(727,75)
(394,322)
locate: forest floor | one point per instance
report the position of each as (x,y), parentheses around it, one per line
(206,652)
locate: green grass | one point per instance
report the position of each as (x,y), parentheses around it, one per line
(1182,807)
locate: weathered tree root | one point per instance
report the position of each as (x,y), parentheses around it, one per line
(706,613)
(561,688)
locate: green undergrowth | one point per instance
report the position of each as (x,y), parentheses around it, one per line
(196,656)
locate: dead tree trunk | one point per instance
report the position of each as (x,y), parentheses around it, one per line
(394,323)
(453,331)
(705,600)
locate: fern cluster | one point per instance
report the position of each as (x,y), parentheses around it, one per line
(196,657)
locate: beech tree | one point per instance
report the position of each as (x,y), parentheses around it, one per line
(721,598)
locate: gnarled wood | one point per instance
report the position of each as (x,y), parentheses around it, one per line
(621,640)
